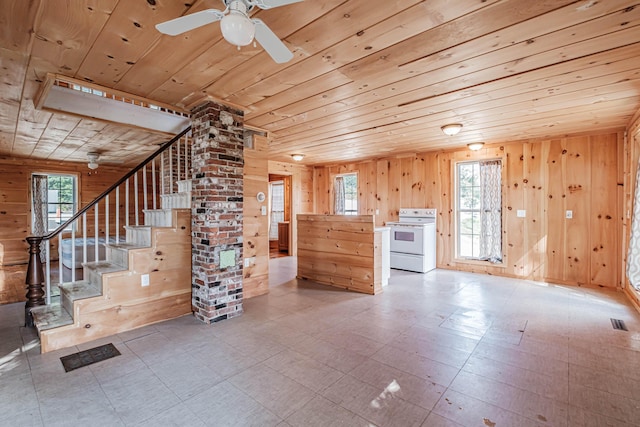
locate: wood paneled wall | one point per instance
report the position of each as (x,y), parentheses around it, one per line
(302,198)
(15,193)
(255,246)
(545,178)
(341,251)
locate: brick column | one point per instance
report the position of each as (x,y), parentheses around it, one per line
(216,204)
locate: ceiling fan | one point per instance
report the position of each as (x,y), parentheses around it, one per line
(237,28)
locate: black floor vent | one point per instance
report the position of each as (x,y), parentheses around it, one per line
(618,324)
(87,357)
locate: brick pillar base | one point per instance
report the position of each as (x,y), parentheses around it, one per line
(216,219)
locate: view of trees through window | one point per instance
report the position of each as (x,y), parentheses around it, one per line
(350,194)
(468,177)
(61,199)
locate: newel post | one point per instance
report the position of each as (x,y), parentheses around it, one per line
(35,277)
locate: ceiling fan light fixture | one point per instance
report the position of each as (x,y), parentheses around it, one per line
(236,27)
(297,157)
(451,129)
(475,146)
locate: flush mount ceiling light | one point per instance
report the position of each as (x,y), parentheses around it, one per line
(475,146)
(297,157)
(451,129)
(93,160)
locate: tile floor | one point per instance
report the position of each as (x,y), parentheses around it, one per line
(440,349)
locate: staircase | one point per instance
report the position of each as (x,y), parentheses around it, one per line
(146,279)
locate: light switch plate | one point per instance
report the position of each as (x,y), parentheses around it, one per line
(263,210)
(521,213)
(144,280)
(569,214)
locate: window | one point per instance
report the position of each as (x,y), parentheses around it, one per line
(479,210)
(346,194)
(54,200)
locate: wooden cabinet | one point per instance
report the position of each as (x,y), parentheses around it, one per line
(283,236)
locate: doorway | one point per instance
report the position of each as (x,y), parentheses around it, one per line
(279,215)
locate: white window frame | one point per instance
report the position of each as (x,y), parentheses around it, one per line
(76,195)
(459,211)
(456,208)
(273,226)
(357,193)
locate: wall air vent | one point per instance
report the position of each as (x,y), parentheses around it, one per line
(60,94)
(618,324)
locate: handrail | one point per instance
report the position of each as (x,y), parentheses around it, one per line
(35,276)
(128,175)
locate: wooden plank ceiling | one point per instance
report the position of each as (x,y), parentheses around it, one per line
(369,78)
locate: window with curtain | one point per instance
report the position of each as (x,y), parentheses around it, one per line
(276,203)
(345,192)
(54,200)
(479,210)
(633,258)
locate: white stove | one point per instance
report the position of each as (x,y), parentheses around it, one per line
(413,240)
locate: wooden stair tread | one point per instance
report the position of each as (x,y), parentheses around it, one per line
(125,246)
(79,290)
(101,267)
(144,227)
(50,317)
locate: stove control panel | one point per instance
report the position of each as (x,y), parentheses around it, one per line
(417,213)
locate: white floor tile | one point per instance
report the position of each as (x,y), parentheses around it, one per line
(442,349)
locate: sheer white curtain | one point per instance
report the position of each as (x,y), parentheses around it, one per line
(276,196)
(491,210)
(39,207)
(633,258)
(338,194)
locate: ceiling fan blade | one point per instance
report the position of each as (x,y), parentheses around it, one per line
(189,22)
(268,4)
(271,43)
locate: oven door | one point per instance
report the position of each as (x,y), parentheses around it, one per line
(407,239)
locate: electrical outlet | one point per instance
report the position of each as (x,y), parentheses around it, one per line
(569,214)
(377,211)
(521,213)
(144,280)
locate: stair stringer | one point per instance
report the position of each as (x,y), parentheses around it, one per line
(125,304)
